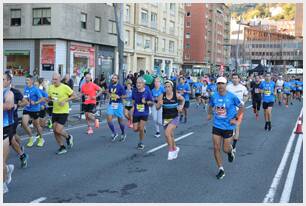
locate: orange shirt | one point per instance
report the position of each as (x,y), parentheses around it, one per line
(90,90)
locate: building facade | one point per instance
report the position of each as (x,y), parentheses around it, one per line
(66,38)
(299,20)
(206,38)
(153,37)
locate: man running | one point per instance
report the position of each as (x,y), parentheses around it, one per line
(212,87)
(128,103)
(299,89)
(89,90)
(170,103)
(183,89)
(242,93)
(197,86)
(287,92)
(205,94)
(279,89)
(60,94)
(268,90)
(157,93)
(142,99)
(8,122)
(43,108)
(115,107)
(33,99)
(222,106)
(256,96)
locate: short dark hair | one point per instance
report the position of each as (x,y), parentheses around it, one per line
(268,73)
(235,74)
(8,76)
(29,76)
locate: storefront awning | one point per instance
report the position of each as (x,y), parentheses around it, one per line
(19,52)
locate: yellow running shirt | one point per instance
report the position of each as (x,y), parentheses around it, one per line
(58,94)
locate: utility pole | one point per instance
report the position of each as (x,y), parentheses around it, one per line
(237,45)
(118,8)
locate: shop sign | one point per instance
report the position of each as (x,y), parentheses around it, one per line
(16,52)
(48,54)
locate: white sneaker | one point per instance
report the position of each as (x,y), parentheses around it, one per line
(5,188)
(171,155)
(10,169)
(176,152)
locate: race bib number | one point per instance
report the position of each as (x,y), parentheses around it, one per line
(267,92)
(115,105)
(166,121)
(256,90)
(221,111)
(140,107)
(55,99)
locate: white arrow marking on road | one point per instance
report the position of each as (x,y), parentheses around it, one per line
(39,200)
(292,170)
(269,198)
(164,145)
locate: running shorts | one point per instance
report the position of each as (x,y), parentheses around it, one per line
(265,105)
(59,118)
(115,109)
(223,133)
(33,115)
(137,119)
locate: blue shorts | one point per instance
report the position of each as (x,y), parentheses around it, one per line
(115,109)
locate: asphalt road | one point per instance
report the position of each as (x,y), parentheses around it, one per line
(97,170)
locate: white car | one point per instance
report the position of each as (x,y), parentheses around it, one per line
(295,71)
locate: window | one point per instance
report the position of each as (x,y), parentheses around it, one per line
(127,13)
(156,44)
(97,23)
(164,45)
(147,44)
(164,25)
(127,38)
(139,40)
(172,9)
(154,20)
(187,45)
(15,17)
(112,27)
(172,26)
(188,13)
(188,24)
(187,35)
(171,46)
(42,16)
(83,20)
(144,17)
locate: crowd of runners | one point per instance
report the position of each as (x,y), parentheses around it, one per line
(141,95)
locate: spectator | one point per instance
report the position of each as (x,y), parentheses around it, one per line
(68,81)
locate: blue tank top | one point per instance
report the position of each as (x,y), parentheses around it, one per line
(8,116)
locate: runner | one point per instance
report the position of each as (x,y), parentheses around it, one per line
(169,102)
(279,89)
(33,99)
(299,89)
(287,92)
(142,99)
(222,105)
(115,107)
(256,96)
(242,93)
(60,94)
(212,87)
(205,94)
(15,141)
(8,122)
(197,86)
(183,89)
(293,89)
(89,90)
(268,90)
(43,108)
(157,94)
(128,103)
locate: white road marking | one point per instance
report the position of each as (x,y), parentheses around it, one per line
(39,200)
(71,128)
(292,170)
(269,198)
(164,145)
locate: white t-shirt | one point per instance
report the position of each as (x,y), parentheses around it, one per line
(279,83)
(239,90)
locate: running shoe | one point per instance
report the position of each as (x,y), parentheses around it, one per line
(40,142)
(181,118)
(10,169)
(171,155)
(5,188)
(220,174)
(50,124)
(89,130)
(131,125)
(266,126)
(140,146)
(231,156)
(32,140)
(269,126)
(287,106)
(24,160)
(97,124)
(61,150)
(291,103)
(157,134)
(69,141)
(122,138)
(114,137)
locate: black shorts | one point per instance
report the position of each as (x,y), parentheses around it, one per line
(128,107)
(8,132)
(223,133)
(42,113)
(265,105)
(15,125)
(59,118)
(33,115)
(197,94)
(187,104)
(90,108)
(256,103)
(137,119)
